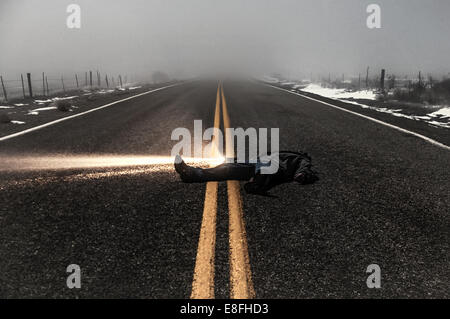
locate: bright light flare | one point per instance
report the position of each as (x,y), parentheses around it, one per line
(58,162)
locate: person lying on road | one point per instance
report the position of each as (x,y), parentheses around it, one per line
(292,166)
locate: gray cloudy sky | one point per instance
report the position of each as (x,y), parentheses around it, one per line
(193,37)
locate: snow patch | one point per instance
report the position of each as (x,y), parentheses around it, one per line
(42,101)
(105,91)
(269,79)
(339,93)
(18,122)
(55,99)
(444,113)
(65,98)
(44,109)
(440,117)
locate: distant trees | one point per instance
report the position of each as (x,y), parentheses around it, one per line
(433,92)
(391,82)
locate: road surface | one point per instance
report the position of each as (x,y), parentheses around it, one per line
(383,198)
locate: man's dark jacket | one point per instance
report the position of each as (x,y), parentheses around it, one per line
(291,165)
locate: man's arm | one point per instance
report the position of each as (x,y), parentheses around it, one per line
(259,185)
(304,174)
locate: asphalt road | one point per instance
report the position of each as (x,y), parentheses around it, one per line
(383,198)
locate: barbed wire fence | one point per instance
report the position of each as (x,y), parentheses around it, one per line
(44,85)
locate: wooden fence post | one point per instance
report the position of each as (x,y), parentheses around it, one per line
(46,82)
(4,90)
(23,86)
(383,74)
(120,80)
(43,84)
(64,88)
(30,88)
(76,79)
(107,82)
(90,79)
(367,78)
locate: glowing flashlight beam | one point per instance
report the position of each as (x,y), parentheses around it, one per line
(58,162)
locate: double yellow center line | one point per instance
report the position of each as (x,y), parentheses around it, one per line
(241,286)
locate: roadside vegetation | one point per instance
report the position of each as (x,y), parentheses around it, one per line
(429,92)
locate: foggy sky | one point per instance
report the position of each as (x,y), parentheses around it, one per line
(193,37)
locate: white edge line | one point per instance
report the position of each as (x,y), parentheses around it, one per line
(425,138)
(7,137)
